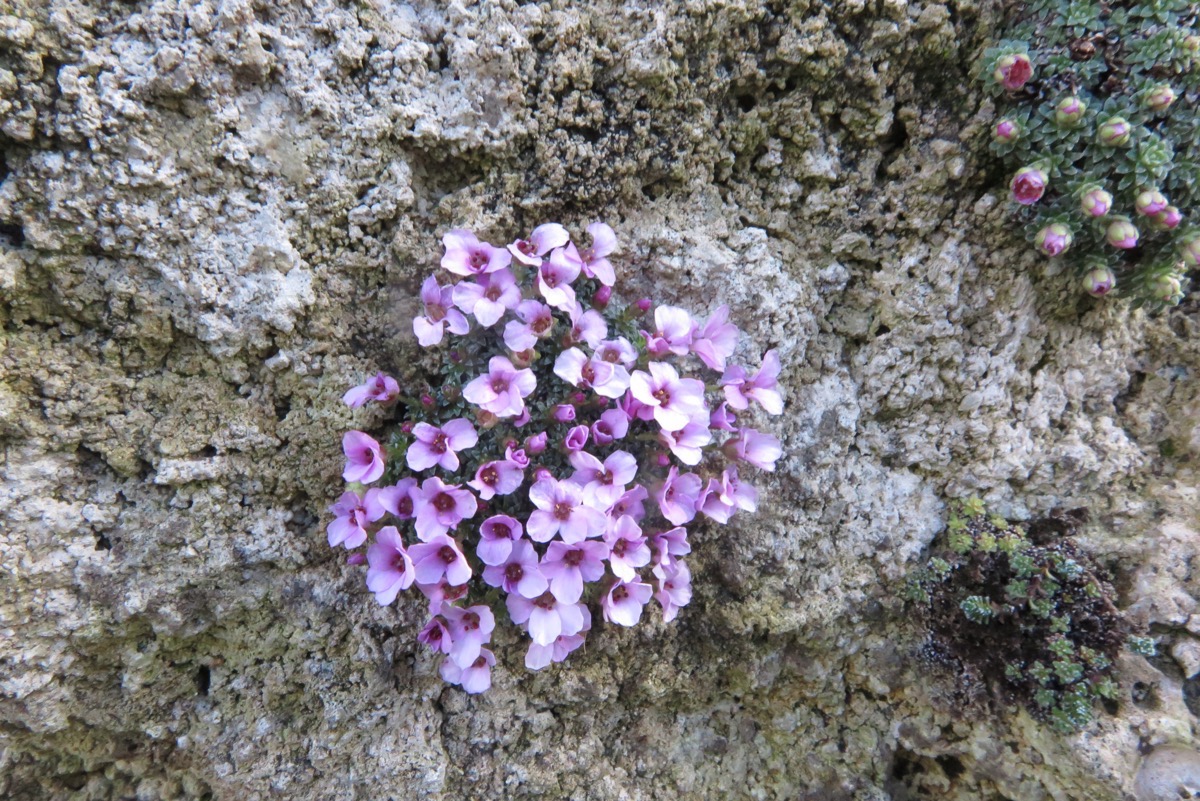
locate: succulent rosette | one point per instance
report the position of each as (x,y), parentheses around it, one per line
(551,471)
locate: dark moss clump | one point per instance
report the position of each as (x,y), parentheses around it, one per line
(1026,613)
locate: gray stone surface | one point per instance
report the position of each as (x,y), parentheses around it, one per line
(216,215)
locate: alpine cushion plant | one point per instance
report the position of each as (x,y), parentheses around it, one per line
(1097,120)
(553,465)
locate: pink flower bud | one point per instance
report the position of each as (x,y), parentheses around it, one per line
(663,460)
(1167,289)
(1099,281)
(536,444)
(1006,131)
(356,558)
(644,304)
(406,427)
(1096,202)
(576,438)
(1114,133)
(1190,253)
(1028,185)
(1013,71)
(1160,97)
(1121,233)
(602,297)
(455,356)
(1053,239)
(541,474)
(578,398)
(563,413)
(1069,111)
(426,399)
(1167,220)
(1150,202)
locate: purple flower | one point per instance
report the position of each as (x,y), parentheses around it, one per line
(516,455)
(669,544)
(576,438)
(382,389)
(489,297)
(587,326)
(395,500)
(576,368)
(539,656)
(612,425)
(476,678)
(568,566)
(674,588)
(673,331)
(592,260)
(678,495)
(623,602)
(627,549)
(674,400)
(439,445)
(536,443)
(687,443)
(721,499)
(519,572)
(760,387)
(544,239)
(548,618)
(498,478)
(471,629)
(442,593)
(389,567)
(603,482)
(1099,281)
(439,314)
(439,557)
(554,279)
(496,538)
(466,255)
(536,323)
(722,418)
(716,340)
(630,504)
(348,527)
(617,351)
(1053,239)
(1012,71)
(440,507)
(560,510)
(1028,185)
(364,458)
(756,448)
(503,390)
(436,636)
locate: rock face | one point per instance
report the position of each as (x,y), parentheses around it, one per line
(214,216)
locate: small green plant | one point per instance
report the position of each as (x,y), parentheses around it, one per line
(1028,614)
(1097,114)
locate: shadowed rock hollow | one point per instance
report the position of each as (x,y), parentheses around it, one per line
(214,217)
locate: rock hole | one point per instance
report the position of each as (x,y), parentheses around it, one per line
(1191,695)
(203,680)
(1145,695)
(652,191)
(282,408)
(746,102)
(14,234)
(103,543)
(208,451)
(952,766)
(882,329)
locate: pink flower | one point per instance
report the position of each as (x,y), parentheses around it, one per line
(576,438)
(617,351)
(569,566)
(1012,71)
(603,482)
(687,443)
(497,478)
(442,593)
(669,544)
(439,445)
(627,549)
(574,367)
(544,239)
(1149,202)
(760,387)
(1028,185)
(673,332)
(678,495)
(503,390)
(548,618)
(554,279)
(519,572)
(674,588)
(389,567)
(563,413)
(593,260)
(716,340)
(623,602)
(471,629)
(539,656)
(364,458)
(612,425)
(630,504)
(753,447)
(560,510)
(587,326)
(516,455)
(722,418)
(1053,239)
(382,389)
(476,678)
(536,323)
(489,298)
(396,500)
(1096,202)
(536,443)
(439,314)
(438,557)
(348,527)
(436,636)
(721,499)
(466,255)
(674,400)
(441,507)
(496,538)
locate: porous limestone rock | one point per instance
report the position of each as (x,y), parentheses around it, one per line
(214,215)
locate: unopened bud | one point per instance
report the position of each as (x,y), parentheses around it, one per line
(486,419)
(1149,202)
(563,413)
(1053,239)
(663,460)
(356,558)
(1160,97)
(1114,133)
(451,393)
(524,358)
(406,427)
(426,399)
(1028,185)
(602,297)
(1069,111)
(1096,202)
(536,444)
(1167,220)
(1191,252)
(1006,131)
(1121,233)
(1099,281)
(644,304)
(1167,288)
(1013,71)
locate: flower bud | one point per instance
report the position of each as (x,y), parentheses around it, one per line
(1166,220)
(602,297)
(1114,133)
(1053,239)
(1191,252)
(524,358)
(541,474)
(1028,185)
(1069,111)
(521,419)
(455,356)
(451,393)
(1167,288)
(577,398)
(563,413)
(1160,98)
(662,460)
(644,304)
(427,400)
(486,419)
(1121,233)
(1149,202)
(1099,281)
(357,558)
(406,427)
(536,444)
(1006,131)
(1012,71)
(576,438)
(1096,202)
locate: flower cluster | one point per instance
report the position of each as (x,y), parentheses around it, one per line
(1097,114)
(555,464)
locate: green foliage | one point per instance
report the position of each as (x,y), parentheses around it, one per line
(1023,611)
(1134,63)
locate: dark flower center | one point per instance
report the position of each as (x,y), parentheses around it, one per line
(499,384)
(479,259)
(435,312)
(588,372)
(405,506)
(619,594)
(663,395)
(439,443)
(501,531)
(546,600)
(610,355)
(447,555)
(470,621)
(619,547)
(478,663)
(549,278)
(398,562)
(562,510)
(525,246)
(542,324)
(514,572)
(573,558)
(489,475)
(492,293)
(443,502)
